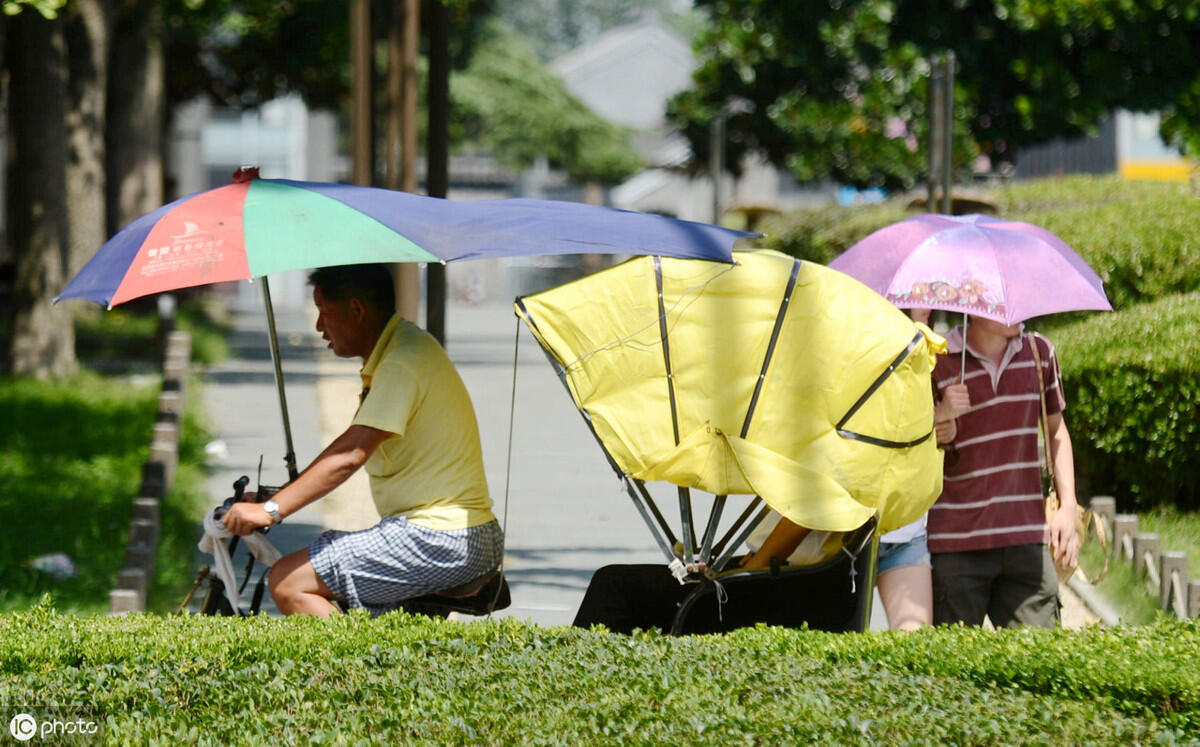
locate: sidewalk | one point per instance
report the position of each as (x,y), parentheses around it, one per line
(566,513)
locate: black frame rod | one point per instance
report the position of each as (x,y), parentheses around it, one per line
(725,556)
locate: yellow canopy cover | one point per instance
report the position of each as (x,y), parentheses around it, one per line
(836,339)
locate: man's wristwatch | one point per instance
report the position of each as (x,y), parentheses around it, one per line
(272,509)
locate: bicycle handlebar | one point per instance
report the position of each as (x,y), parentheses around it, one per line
(239,496)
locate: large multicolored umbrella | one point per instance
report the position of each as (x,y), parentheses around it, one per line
(258,227)
(1007,271)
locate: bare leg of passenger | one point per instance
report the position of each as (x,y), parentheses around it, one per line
(297,589)
(907,595)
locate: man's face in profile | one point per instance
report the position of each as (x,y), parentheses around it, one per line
(337,324)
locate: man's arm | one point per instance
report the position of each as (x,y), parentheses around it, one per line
(1064,540)
(780,543)
(331,468)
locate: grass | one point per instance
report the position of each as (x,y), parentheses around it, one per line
(71,459)
(401,680)
(71,462)
(1127,592)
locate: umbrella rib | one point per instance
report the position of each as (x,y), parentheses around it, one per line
(666,346)
(783,309)
(667,543)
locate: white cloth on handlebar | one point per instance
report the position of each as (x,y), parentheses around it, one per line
(213,543)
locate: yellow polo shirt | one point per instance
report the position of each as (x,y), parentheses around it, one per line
(431,470)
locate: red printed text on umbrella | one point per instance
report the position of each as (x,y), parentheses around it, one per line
(200,241)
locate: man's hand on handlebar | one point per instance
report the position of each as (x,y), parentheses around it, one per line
(244,517)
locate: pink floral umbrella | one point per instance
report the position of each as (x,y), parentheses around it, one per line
(1003,270)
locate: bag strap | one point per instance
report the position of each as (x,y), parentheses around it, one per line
(1044,419)
(1089,517)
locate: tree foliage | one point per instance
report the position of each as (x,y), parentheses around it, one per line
(503,98)
(839,87)
(509,103)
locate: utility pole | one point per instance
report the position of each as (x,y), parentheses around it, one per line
(941,134)
(716,160)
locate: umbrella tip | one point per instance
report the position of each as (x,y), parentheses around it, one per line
(245,174)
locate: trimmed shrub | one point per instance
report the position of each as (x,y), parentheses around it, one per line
(400,679)
(1132,382)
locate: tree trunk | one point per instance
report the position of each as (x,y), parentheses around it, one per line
(136,114)
(43,340)
(403,49)
(437,155)
(87,34)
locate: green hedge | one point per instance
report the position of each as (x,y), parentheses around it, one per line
(401,679)
(1132,382)
(819,235)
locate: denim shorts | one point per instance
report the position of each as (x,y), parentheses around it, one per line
(894,555)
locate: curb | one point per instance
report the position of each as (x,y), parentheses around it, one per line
(137,573)
(1094,602)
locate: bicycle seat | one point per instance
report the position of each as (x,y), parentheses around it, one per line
(479,596)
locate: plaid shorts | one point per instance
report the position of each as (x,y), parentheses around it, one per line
(379,567)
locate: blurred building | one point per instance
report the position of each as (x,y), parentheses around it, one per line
(1127,143)
(627,75)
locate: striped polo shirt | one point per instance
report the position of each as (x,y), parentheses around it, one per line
(992,488)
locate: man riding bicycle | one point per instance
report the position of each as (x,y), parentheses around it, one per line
(415,433)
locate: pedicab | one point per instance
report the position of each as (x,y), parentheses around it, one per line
(774,385)
(256,227)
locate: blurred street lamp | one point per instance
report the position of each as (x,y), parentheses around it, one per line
(716,150)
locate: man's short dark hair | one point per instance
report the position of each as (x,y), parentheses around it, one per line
(372,284)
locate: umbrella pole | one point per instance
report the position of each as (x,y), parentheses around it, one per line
(290,458)
(962,369)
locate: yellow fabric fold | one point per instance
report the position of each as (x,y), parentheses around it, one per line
(833,341)
(714,461)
